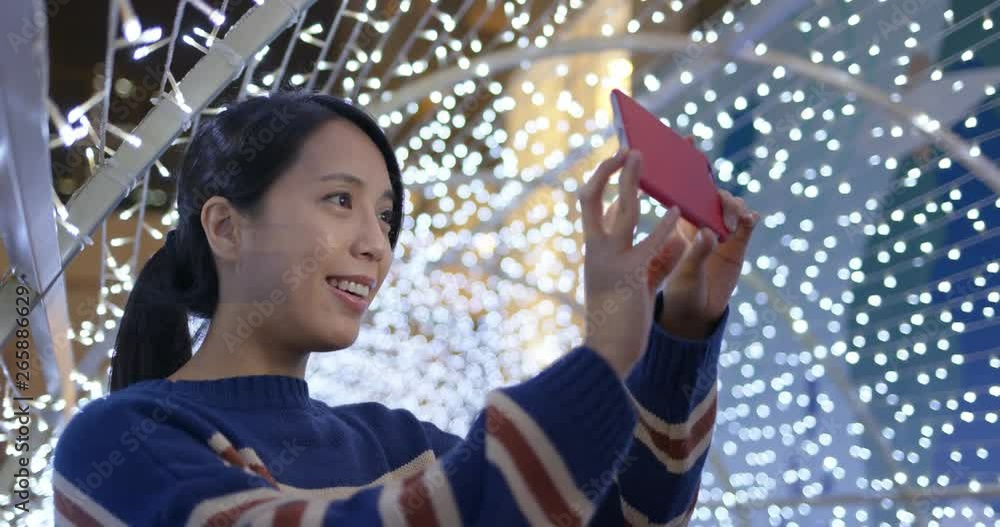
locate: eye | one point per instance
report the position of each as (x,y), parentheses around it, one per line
(386,216)
(340,198)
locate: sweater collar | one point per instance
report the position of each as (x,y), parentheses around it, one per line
(247,391)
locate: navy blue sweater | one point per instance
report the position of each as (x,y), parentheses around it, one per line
(570,446)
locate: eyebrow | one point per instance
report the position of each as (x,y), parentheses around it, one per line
(354,180)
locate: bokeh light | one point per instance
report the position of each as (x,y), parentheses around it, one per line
(860,377)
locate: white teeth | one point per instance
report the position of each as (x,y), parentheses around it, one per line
(352,287)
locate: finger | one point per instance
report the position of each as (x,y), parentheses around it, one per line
(591,192)
(686,229)
(654,244)
(735,246)
(611,214)
(628,199)
(732,208)
(692,264)
(612,210)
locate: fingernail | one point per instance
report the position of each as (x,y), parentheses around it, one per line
(698,237)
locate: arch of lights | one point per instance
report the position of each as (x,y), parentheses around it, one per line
(817,446)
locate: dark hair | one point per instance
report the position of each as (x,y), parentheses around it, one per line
(237,155)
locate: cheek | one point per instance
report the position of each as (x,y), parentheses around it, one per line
(265,273)
(281,260)
(384,271)
(306,243)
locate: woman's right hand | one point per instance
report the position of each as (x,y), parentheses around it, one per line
(619,303)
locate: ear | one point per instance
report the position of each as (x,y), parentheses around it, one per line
(222,224)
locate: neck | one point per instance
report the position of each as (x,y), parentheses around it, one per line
(225,354)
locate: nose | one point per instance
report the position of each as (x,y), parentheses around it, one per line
(370,242)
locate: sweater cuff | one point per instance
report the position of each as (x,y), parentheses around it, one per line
(675,373)
(584,409)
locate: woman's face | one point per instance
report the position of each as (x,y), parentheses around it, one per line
(321,237)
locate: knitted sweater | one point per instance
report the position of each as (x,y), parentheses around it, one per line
(570,446)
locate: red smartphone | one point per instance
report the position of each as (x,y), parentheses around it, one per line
(674,172)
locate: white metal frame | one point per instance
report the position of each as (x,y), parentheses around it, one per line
(97,198)
(25,192)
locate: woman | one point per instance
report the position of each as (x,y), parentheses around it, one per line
(290,207)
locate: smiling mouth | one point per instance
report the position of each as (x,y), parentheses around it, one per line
(355,295)
(353,288)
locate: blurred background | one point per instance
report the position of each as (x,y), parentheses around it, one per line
(860,376)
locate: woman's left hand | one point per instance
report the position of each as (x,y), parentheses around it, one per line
(701,273)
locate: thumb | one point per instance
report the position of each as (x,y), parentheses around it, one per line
(735,246)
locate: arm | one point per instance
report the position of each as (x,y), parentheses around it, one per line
(674,393)
(523,460)
(441,442)
(674,385)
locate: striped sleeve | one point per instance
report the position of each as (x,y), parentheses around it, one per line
(674,393)
(527,460)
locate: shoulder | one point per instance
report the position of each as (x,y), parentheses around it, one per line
(383,421)
(398,424)
(120,418)
(125,405)
(375,415)
(96,417)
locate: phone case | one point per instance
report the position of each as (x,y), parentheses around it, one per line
(674,172)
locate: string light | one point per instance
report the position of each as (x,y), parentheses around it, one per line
(214,15)
(130,23)
(191,42)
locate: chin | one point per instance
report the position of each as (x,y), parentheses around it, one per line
(340,335)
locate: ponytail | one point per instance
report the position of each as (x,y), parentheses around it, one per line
(153,338)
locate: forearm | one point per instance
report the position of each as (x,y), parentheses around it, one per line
(674,394)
